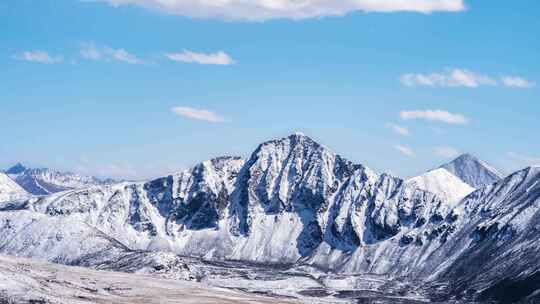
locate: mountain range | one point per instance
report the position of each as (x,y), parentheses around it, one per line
(460,232)
(44,181)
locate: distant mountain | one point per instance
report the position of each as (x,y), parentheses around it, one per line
(443,183)
(45,181)
(473,171)
(18,168)
(9,190)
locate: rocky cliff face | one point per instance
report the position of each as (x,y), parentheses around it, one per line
(295,201)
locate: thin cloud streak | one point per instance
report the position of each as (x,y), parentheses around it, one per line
(198,114)
(218,58)
(435,115)
(398,129)
(91,52)
(448,79)
(516,82)
(453,78)
(38,56)
(405,150)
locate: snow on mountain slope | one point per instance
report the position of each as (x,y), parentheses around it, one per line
(498,234)
(295,201)
(291,196)
(443,183)
(9,190)
(60,239)
(473,171)
(46,181)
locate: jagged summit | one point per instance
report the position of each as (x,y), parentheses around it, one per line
(473,171)
(16,169)
(294,138)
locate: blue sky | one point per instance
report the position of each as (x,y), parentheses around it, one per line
(136,89)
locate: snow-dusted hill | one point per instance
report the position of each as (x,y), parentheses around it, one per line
(28,281)
(45,181)
(296,202)
(473,171)
(443,183)
(9,190)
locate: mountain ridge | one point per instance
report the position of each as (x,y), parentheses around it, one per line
(44,181)
(296,202)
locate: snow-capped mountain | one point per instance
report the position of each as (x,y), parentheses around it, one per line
(295,201)
(473,171)
(45,181)
(443,183)
(458,178)
(9,190)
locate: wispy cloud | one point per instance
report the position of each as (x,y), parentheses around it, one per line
(124,170)
(448,79)
(405,150)
(218,58)
(446,151)
(525,160)
(435,115)
(516,82)
(452,78)
(92,52)
(38,57)
(260,10)
(398,129)
(198,114)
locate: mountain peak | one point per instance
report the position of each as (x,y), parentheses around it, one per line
(16,169)
(466,157)
(473,171)
(299,136)
(443,183)
(296,139)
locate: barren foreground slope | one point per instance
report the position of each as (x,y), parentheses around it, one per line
(29,281)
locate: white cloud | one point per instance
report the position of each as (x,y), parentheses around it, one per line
(123,55)
(516,82)
(405,150)
(260,10)
(446,151)
(91,52)
(39,57)
(198,114)
(435,115)
(450,78)
(398,129)
(218,58)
